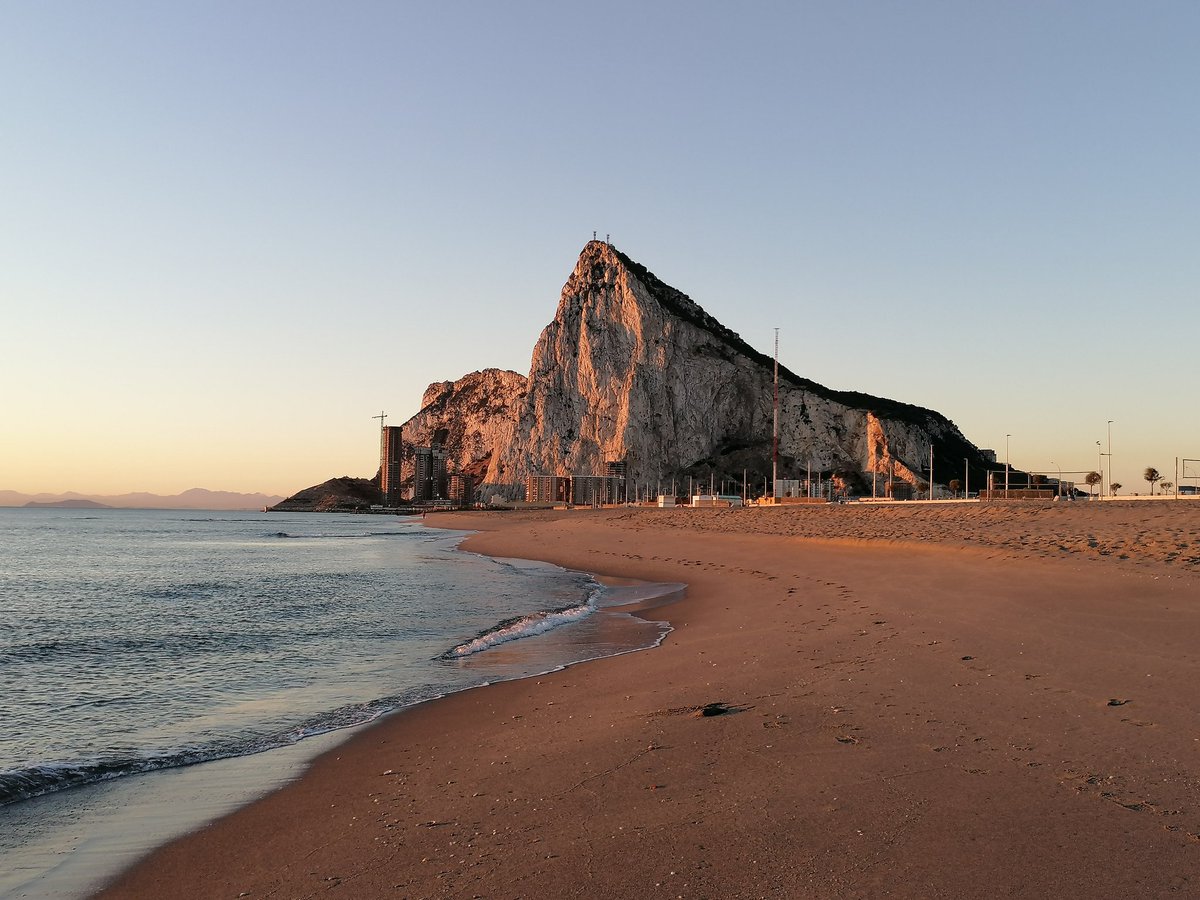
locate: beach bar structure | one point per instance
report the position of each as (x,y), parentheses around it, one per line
(720,501)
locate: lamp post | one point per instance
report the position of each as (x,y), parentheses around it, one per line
(1006,437)
(1110,424)
(1058,489)
(1100,467)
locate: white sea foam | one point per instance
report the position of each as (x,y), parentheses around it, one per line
(525,626)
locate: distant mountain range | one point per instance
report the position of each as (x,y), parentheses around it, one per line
(65,504)
(196,498)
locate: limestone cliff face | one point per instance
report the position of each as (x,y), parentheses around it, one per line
(471,417)
(632,369)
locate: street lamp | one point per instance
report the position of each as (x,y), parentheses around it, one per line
(1058,489)
(1110,424)
(1100,468)
(1006,437)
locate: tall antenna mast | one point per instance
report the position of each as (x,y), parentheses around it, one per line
(775,429)
(381,417)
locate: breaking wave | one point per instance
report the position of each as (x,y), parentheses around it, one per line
(522,627)
(47,778)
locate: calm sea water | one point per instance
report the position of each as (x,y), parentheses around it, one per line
(142,642)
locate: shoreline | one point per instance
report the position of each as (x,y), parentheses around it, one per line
(901,721)
(86,836)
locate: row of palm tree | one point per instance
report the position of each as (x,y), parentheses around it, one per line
(1152,475)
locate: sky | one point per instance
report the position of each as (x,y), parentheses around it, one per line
(233,232)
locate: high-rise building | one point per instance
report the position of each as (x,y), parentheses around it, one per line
(391,452)
(460,489)
(429,474)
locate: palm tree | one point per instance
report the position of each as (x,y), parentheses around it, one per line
(1091,479)
(1166,486)
(1114,487)
(1151,475)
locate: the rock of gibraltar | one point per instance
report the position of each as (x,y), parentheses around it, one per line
(633,371)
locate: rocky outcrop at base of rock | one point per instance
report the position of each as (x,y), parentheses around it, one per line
(345,494)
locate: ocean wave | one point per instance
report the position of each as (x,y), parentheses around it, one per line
(47,778)
(187,590)
(339,535)
(166,645)
(34,781)
(522,627)
(40,651)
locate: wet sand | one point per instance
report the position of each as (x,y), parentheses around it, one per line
(923,701)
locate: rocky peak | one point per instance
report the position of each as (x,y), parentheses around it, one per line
(475,415)
(440,391)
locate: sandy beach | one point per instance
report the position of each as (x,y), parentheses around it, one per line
(923,700)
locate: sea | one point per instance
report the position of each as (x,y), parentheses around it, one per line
(159,668)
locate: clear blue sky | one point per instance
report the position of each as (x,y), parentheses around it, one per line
(230,233)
